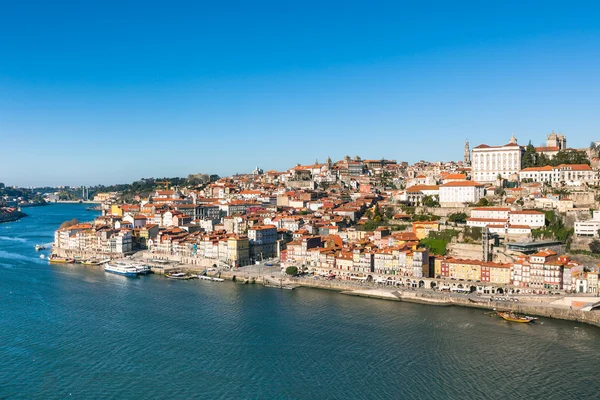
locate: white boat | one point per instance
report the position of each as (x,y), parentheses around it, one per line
(120,268)
(210,278)
(179,275)
(127,269)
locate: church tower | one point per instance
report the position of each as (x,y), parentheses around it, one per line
(467,153)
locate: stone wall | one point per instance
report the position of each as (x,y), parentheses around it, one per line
(85,255)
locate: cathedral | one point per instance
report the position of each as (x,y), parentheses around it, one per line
(556,140)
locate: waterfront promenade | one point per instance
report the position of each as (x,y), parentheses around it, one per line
(554,306)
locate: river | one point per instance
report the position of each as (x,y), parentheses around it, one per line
(69,331)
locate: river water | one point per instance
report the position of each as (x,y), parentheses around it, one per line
(78,332)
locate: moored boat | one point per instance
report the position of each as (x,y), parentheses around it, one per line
(121,268)
(512,317)
(61,260)
(210,278)
(179,275)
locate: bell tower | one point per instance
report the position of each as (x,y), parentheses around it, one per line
(467,153)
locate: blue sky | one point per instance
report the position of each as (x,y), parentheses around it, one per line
(114,91)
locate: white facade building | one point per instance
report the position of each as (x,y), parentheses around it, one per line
(490,161)
(575,173)
(456,194)
(588,228)
(504,221)
(532,218)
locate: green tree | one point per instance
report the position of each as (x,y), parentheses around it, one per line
(389,212)
(483,202)
(291,270)
(473,233)
(370,225)
(430,201)
(529,157)
(595,246)
(459,217)
(570,157)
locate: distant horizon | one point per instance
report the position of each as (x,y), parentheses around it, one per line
(93,94)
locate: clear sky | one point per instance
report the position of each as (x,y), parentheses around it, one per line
(112,91)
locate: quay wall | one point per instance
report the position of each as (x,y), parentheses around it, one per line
(83,254)
(530,305)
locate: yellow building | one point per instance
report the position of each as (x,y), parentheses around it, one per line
(115,209)
(437,267)
(468,270)
(422,228)
(238,250)
(500,273)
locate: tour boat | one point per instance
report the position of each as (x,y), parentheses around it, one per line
(127,269)
(512,317)
(143,269)
(120,268)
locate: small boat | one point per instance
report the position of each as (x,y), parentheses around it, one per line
(89,262)
(39,247)
(210,278)
(61,260)
(512,317)
(179,275)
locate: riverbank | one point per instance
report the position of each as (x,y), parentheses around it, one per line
(557,307)
(10,215)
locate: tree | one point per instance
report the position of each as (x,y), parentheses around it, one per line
(595,246)
(483,202)
(389,212)
(473,232)
(570,157)
(370,225)
(291,270)
(460,217)
(430,201)
(529,157)
(594,149)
